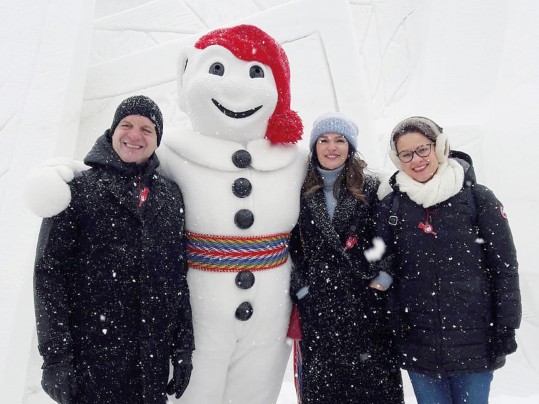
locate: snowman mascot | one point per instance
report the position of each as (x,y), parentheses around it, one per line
(240,172)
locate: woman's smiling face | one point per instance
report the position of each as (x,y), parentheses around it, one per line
(331,150)
(421,169)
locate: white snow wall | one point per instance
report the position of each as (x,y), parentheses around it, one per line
(44,52)
(472,65)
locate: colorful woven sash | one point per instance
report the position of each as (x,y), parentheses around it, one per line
(234,254)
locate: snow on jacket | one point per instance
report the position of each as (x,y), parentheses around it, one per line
(456,294)
(110,281)
(346,345)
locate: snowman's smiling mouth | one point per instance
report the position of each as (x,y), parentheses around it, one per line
(232,114)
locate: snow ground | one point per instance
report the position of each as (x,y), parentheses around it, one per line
(472,66)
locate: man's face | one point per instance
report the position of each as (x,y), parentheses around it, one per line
(135,139)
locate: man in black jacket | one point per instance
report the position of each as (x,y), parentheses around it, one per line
(111,298)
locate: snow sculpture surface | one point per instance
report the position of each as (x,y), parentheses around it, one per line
(240,173)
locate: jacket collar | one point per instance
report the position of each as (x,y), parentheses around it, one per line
(462,158)
(103,155)
(341,218)
(446,183)
(125,189)
(125,181)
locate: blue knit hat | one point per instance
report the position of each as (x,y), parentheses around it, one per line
(334,122)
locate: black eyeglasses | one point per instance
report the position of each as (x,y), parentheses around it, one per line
(422,151)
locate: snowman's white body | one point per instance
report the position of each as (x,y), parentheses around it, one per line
(237,359)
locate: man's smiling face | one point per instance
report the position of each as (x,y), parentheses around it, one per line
(134,139)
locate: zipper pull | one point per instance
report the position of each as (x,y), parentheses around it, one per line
(143,196)
(426,226)
(350,242)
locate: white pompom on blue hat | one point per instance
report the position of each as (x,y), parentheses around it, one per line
(334,122)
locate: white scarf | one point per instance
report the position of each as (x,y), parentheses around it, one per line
(447,182)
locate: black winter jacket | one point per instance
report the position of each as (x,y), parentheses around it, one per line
(110,281)
(346,346)
(456,294)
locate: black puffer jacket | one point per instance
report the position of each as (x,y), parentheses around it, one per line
(346,347)
(110,281)
(456,293)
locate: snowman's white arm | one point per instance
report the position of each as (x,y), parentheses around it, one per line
(46,189)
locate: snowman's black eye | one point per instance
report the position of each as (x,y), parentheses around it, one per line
(217,68)
(256,72)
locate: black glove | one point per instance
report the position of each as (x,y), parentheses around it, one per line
(58,380)
(181,360)
(504,341)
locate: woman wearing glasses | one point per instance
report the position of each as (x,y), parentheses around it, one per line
(456,299)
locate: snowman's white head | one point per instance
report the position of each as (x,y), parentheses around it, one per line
(235,84)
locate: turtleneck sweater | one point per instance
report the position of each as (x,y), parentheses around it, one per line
(329,177)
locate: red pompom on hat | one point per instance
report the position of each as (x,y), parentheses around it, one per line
(250,43)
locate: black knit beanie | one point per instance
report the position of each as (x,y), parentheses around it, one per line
(139,105)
